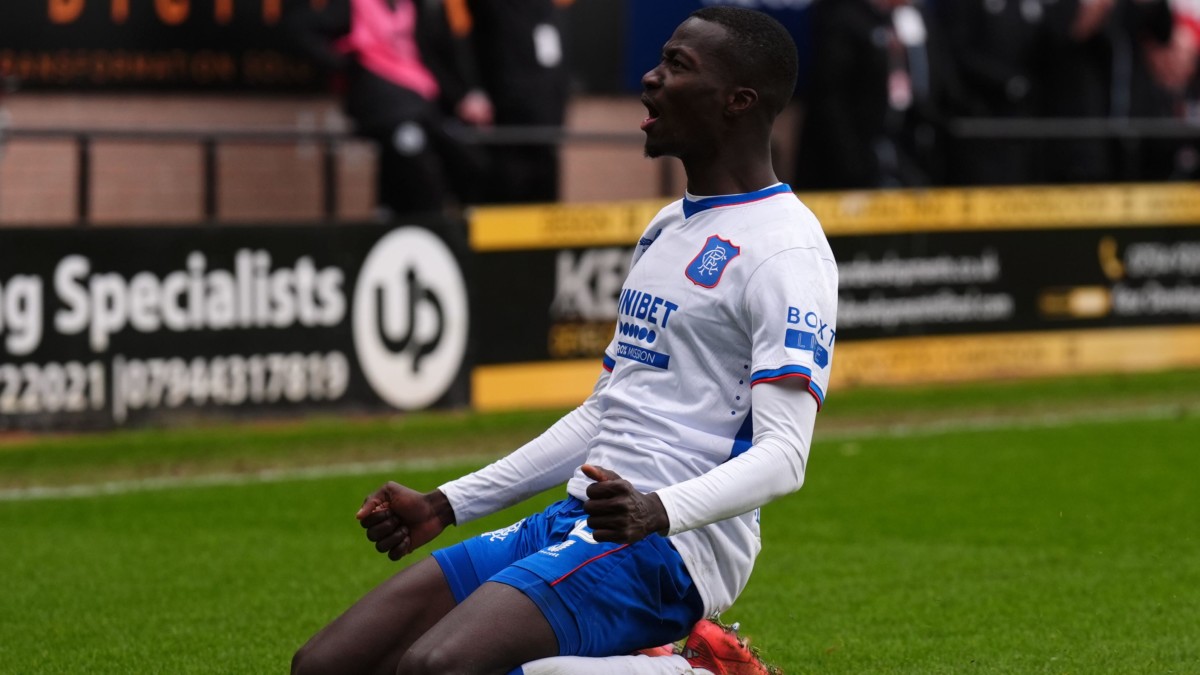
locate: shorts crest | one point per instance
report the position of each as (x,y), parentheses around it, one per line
(708,266)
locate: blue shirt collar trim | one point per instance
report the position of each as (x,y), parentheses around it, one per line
(693,206)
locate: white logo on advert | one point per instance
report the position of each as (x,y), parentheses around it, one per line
(410,318)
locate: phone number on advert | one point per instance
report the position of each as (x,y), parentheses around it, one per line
(144,384)
(32,388)
(147,384)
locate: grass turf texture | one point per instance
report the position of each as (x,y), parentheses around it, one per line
(1010,547)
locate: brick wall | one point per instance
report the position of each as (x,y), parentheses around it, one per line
(162,182)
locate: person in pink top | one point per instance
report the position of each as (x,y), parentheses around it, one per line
(390,56)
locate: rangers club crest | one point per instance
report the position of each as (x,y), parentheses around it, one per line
(709,265)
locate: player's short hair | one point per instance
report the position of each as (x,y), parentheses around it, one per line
(760,53)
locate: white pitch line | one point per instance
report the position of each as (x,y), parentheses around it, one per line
(120,487)
(1115,415)
(932,428)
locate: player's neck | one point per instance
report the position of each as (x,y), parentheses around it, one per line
(729,180)
(736,162)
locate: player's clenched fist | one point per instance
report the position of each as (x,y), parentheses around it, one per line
(399,519)
(618,512)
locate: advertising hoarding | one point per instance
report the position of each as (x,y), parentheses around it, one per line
(938,285)
(158,44)
(103,327)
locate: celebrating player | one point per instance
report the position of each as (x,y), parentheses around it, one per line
(728,308)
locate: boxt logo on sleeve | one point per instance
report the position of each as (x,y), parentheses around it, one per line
(410,318)
(818,339)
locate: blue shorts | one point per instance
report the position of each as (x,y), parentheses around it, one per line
(602,599)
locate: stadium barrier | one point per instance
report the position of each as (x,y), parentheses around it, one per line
(104,327)
(936,286)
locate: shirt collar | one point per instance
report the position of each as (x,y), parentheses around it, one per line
(693,205)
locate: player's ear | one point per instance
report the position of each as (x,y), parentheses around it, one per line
(740,101)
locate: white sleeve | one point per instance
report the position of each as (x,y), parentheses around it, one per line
(784,416)
(546,461)
(790,305)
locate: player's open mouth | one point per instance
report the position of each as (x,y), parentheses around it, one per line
(651,114)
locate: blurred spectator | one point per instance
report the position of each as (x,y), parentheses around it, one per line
(1173,65)
(390,56)
(519,54)
(882,87)
(1173,69)
(1096,66)
(995,44)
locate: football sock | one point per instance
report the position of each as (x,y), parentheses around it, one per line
(631,665)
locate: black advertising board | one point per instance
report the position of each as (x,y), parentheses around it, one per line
(891,285)
(102,327)
(112,326)
(934,286)
(151,44)
(1016,280)
(562,306)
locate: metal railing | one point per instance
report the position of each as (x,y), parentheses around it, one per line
(1064,128)
(210,141)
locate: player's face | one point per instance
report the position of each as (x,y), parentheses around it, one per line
(685,94)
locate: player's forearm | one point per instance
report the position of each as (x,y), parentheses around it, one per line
(546,461)
(765,472)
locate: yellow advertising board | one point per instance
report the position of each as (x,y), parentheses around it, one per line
(943,285)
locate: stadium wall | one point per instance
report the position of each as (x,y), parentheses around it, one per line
(141,182)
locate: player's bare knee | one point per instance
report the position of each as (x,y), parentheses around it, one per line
(301,661)
(436,660)
(308,660)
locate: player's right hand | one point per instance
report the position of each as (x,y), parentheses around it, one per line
(398,519)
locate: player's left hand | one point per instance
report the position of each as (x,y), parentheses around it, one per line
(399,519)
(617,512)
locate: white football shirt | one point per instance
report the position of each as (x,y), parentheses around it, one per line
(723,293)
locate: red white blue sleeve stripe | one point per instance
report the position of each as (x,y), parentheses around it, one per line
(790,371)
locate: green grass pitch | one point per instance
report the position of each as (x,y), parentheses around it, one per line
(1035,527)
